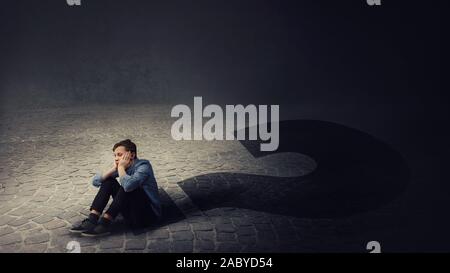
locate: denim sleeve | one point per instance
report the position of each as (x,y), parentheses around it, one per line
(97,179)
(132,182)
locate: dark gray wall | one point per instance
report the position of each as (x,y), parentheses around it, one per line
(228,51)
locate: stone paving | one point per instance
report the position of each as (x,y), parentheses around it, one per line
(49,155)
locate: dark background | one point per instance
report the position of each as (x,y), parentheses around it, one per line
(228,51)
(377,69)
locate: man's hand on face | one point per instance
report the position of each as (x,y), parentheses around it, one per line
(125,161)
(111,171)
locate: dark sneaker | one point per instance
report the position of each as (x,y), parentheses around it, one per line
(101,229)
(85,225)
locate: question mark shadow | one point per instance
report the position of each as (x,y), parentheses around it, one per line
(355,173)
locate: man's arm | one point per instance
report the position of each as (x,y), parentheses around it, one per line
(99,178)
(132,182)
(109,173)
(123,164)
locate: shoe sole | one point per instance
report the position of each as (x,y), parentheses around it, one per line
(95,235)
(77,231)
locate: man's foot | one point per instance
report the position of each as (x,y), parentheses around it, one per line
(101,229)
(85,225)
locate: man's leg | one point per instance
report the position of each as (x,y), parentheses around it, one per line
(135,206)
(109,188)
(119,205)
(140,212)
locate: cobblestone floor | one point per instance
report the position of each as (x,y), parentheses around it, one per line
(48,157)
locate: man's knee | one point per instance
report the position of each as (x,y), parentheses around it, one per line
(110,179)
(108,183)
(121,193)
(125,195)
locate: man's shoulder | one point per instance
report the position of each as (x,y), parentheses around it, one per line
(143,162)
(144,166)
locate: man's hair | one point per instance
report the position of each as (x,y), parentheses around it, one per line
(128,144)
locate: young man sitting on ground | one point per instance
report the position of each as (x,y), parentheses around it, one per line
(135,194)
